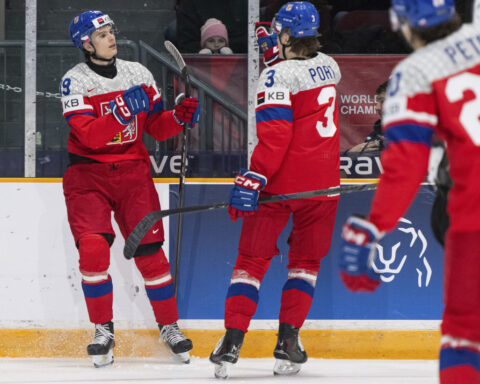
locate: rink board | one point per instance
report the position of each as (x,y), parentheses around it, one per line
(43,304)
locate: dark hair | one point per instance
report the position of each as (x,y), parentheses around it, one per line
(382,88)
(439,31)
(305,46)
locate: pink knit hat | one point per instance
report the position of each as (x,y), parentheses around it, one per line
(213,27)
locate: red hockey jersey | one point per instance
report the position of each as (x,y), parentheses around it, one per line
(434,90)
(297,126)
(94,131)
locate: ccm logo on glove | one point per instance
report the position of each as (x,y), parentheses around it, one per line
(246,182)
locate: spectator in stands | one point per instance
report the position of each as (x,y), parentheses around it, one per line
(375,141)
(192,14)
(214,38)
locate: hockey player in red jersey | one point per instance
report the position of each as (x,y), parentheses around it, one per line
(435,90)
(108,103)
(298,150)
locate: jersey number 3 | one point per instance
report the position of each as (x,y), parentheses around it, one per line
(326,99)
(469,115)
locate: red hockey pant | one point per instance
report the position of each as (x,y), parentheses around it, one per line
(309,241)
(460,353)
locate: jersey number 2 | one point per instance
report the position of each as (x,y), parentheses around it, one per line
(469,115)
(326,98)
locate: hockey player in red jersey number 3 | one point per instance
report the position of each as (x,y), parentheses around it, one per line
(108,103)
(434,90)
(297,150)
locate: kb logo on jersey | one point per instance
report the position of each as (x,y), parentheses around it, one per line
(278,96)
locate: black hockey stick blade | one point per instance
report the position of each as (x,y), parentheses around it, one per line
(149,220)
(181,64)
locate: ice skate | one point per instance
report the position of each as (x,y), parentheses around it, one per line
(226,352)
(101,348)
(289,352)
(176,342)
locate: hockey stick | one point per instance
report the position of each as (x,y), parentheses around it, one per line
(183,170)
(149,220)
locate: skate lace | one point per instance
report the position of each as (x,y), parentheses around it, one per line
(102,334)
(172,334)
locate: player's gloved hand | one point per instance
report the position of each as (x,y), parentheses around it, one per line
(244,194)
(133,101)
(186,110)
(357,253)
(267,43)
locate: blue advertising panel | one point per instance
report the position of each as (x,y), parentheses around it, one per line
(410,262)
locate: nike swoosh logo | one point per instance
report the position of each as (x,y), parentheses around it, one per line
(90,90)
(155,231)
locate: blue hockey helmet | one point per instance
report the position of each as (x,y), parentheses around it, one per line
(421,13)
(83,25)
(301,17)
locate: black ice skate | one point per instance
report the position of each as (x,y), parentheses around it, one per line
(176,342)
(226,352)
(289,351)
(101,348)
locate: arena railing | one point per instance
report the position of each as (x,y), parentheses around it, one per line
(215,152)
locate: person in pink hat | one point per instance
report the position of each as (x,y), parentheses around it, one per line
(214,38)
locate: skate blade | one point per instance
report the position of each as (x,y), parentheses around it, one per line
(286,367)
(183,357)
(100,361)
(222,370)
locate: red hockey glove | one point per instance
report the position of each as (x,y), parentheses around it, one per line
(267,42)
(357,254)
(244,194)
(186,110)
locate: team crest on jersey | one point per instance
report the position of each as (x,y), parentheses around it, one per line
(277,96)
(128,135)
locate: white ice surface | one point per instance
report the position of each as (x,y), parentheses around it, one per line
(161,370)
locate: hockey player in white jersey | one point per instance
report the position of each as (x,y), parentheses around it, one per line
(436,90)
(108,103)
(298,150)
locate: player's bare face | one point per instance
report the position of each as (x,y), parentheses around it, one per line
(104,42)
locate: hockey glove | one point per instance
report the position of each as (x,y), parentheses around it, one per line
(186,110)
(133,101)
(357,254)
(244,194)
(267,43)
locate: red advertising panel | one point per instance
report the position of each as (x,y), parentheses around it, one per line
(361,75)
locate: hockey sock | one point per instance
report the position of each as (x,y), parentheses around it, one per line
(240,306)
(159,286)
(97,285)
(162,299)
(297,298)
(99,300)
(459,365)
